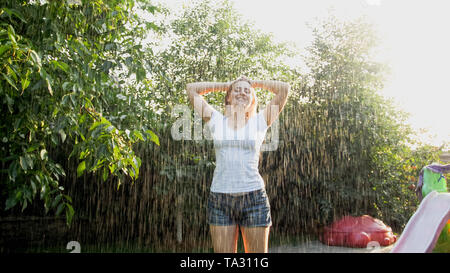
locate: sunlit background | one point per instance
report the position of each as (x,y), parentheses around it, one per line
(414,42)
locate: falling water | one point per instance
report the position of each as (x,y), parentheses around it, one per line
(332,159)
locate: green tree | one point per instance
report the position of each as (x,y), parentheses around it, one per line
(64,70)
(347,149)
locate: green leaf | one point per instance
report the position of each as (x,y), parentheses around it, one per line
(44,155)
(11,72)
(4,48)
(112,168)
(66,86)
(49,86)
(33,187)
(56,200)
(10,81)
(24,205)
(136,163)
(69,213)
(12,171)
(47,79)
(29,161)
(68,198)
(80,169)
(62,134)
(23,163)
(110,46)
(11,35)
(140,74)
(35,57)
(15,13)
(102,122)
(84,154)
(138,135)
(32,148)
(60,208)
(10,202)
(105,174)
(25,82)
(61,65)
(116,152)
(54,139)
(153,137)
(152,25)
(10,103)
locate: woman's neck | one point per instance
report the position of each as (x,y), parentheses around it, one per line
(237,113)
(237,119)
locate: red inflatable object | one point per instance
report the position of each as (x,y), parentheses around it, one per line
(357,232)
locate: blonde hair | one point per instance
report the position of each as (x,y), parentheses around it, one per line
(254,102)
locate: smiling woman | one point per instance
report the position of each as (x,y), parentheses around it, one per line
(238,198)
(240,98)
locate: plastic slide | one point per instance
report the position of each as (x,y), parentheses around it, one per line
(424,227)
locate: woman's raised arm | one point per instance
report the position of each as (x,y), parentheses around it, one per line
(274,107)
(202,88)
(195,92)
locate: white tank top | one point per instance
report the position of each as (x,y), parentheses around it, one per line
(237,153)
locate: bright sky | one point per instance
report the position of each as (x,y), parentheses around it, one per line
(415,42)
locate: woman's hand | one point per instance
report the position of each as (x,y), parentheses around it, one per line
(257,84)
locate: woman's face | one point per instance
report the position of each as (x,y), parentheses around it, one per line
(241,94)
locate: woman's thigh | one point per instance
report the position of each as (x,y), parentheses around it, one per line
(255,211)
(224,238)
(256,239)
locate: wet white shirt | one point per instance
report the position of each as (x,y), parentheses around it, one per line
(237,153)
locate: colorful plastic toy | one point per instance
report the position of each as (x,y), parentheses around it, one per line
(357,232)
(424,227)
(431,178)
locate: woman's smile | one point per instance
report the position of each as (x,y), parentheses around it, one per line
(241,94)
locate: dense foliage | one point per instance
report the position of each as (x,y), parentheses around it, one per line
(61,98)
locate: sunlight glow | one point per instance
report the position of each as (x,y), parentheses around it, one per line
(414,42)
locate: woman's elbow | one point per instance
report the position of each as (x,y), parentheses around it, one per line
(286,89)
(189,87)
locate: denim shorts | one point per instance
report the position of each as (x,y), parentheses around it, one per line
(250,209)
